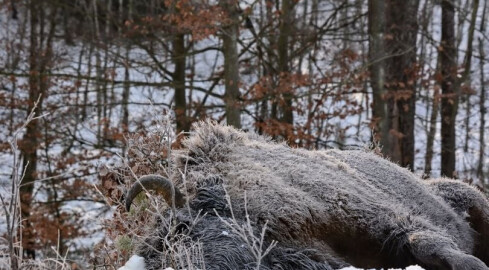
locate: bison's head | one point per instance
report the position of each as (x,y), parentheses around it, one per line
(204,231)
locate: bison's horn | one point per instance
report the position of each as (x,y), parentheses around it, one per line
(158,183)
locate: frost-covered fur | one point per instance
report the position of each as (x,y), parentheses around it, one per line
(471,205)
(326,209)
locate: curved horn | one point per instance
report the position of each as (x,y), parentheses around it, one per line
(158,183)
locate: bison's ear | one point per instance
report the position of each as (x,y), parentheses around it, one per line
(165,187)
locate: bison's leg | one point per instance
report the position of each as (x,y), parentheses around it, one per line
(428,245)
(434,251)
(472,205)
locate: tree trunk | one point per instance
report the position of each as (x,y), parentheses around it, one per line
(467,65)
(179,59)
(450,93)
(126,93)
(376,55)
(283,58)
(269,67)
(401,32)
(482,100)
(482,108)
(30,143)
(40,53)
(231,64)
(13,7)
(431,133)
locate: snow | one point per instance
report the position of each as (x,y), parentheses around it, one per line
(414,267)
(137,263)
(134,263)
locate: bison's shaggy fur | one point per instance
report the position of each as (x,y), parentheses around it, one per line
(325,209)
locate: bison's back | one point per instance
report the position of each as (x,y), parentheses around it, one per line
(353,202)
(405,188)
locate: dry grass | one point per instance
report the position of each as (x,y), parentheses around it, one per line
(245,231)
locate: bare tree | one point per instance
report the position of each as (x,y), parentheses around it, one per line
(450,93)
(230,35)
(376,29)
(285,31)
(40,41)
(178,75)
(482,99)
(467,66)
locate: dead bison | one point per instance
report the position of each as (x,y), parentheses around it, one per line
(325,209)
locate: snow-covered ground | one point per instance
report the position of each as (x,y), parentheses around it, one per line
(137,263)
(414,267)
(347,268)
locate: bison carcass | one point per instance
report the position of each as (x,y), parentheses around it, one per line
(323,209)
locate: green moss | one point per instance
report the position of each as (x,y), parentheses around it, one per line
(124,243)
(142,203)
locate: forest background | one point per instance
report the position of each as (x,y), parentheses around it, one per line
(409,77)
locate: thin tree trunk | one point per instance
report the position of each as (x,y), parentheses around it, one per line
(87,82)
(433,121)
(365,59)
(98,90)
(38,84)
(482,108)
(127,88)
(482,100)
(66,13)
(283,57)
(30,142)
(431,133)
(98,75)
(467,67)
(179,59)
(449,102)
(126,92)
(105,88)
(271,58)
(376,54)
(14,10)
(231,64)
(425,19)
